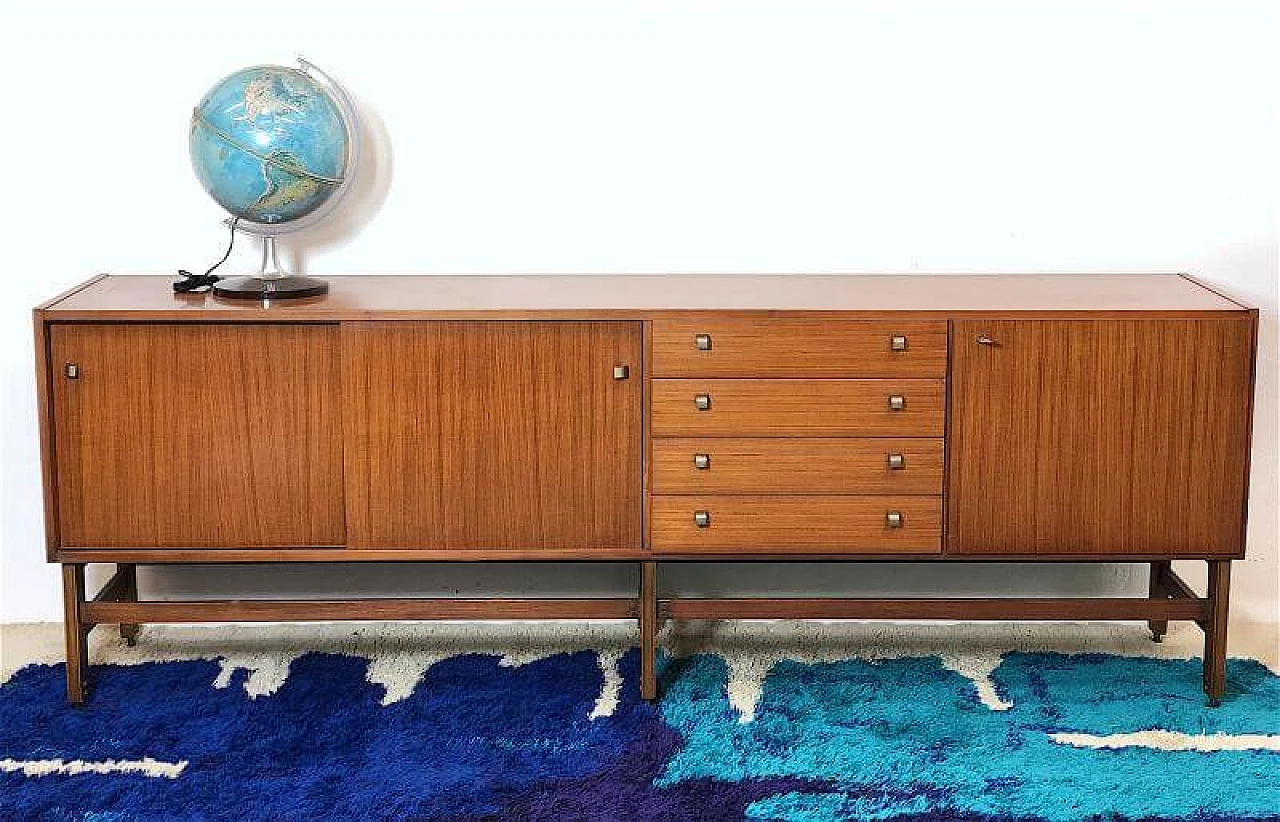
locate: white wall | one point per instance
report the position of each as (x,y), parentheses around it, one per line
(647,136)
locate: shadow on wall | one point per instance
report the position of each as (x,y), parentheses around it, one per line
(373,174)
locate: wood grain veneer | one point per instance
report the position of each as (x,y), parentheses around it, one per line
(797,524)
(798,408)
(799,348)
(478,419)
(654,296)
(810,465)
(198,435)
(48,459)
(1077,437)
(492,435)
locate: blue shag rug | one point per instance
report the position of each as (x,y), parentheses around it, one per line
(564,736)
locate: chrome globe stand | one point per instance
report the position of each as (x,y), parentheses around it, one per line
(271,281)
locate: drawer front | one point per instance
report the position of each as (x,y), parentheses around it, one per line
(763,465)
(798,408)
(796,524)
(799,348)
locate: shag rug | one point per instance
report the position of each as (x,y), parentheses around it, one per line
(529,721)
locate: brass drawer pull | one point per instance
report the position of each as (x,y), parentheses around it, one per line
(897,343)
(893,519)
(702,461)
(702,342)
(985,340)
(896,462)
(71,370)
(621,372)
(702,519)
(897,402)
(702,402)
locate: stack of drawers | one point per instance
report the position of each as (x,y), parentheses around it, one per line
(797,436)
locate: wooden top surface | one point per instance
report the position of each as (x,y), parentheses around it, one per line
(150,297)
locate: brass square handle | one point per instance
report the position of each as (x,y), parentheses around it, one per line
(898,343)
(702,461)
(897,402)
(896,462)
(893,519)
(702,402)
(621,372)
(702,519)
(71,370)
(702,342)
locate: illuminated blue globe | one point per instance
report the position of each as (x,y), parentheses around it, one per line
(273,144)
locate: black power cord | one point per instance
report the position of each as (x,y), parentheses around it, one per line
(192,282)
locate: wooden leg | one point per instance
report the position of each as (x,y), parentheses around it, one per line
(1215,631)
(129,631)
(1159,627)
(76,633)
(649,631)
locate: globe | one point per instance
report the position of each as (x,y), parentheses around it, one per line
(274,146)
(269,144)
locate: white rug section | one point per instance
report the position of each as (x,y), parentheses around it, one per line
(399,654)
(49,767)
(978,669)
(611,690)
(1172,741)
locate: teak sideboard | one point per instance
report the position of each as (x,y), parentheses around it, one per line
(653,420)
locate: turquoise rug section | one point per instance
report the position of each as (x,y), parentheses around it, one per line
(564,736)
(906,738)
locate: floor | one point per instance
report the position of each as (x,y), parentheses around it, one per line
(400,652)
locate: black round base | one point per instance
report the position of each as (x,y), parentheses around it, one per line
(269,288)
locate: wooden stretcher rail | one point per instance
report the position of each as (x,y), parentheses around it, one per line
(98,612)
(960,609)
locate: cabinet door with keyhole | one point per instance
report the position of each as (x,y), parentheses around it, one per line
(1099,437)
(196,435)
(493,435)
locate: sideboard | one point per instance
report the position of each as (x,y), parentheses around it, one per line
(650,419)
